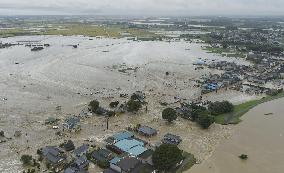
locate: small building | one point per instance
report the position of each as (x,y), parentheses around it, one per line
(72,124)
(74,170)
(171,139)
(125,165)
(51,121)
(146,157)
(82,163)
(147,131)
(54,156)
(102,155)
(114,164)
(82,150)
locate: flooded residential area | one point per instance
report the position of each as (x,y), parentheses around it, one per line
(134,94)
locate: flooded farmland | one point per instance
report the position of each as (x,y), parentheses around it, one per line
(34,84)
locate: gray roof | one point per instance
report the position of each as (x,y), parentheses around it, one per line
(52,154)
(74,170)
(82,162)
(101,154)
(72,122)
(109,171)
(171,139)
(128,163)
(81,150)
(147,130)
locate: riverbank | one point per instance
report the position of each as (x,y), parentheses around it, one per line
(241,109)
(260,136)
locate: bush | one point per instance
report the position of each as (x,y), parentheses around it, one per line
(218,108)
(133,105)
(94,105)
(169,114)
(197,110)
(114,104)
(26,159)
(39,151)
(243,157)
(103,164)
(205,121)
(166,156)
(111,113)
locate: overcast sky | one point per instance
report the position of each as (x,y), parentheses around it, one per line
(143,7)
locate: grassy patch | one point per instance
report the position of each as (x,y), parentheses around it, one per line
(241,109)
(86,30)
(12,32)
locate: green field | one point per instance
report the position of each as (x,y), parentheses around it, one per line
(81,29)
(240,110)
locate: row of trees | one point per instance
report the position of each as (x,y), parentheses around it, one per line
(218,108)
(200,114)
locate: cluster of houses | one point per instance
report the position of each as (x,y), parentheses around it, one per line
(246,37)
(5,45)
(123,153)
(250,79)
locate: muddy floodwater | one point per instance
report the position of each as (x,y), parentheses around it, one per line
(260,136)
(34,84)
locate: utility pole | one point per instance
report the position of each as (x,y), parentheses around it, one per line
(107,123)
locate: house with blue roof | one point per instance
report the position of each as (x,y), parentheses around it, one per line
(132,147)
(119,136)
(136,151)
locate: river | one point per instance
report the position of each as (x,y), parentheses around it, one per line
(259,136)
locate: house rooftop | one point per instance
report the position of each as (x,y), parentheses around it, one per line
(123,135)
(135,151)
(101,154)
(74,170)
(109,171)
(127,144)
(148,131)
(81,150)
(115,160)
(128,163)
(171,139)
(52,154)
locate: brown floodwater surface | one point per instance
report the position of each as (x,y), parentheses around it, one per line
(259,136)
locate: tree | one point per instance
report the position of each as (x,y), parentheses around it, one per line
(218,108)
(114,104)
(166,156)
(205,121)
(2,134)
(26,159)
(94,105)
(243,157)
(169,114)
(133,105)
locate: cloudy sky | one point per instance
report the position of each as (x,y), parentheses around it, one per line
(143,7)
